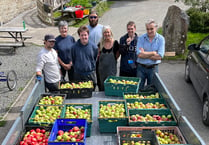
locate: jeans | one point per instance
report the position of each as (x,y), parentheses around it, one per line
(69,72)
(146,74)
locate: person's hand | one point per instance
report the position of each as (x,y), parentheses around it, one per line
(154,52)
(141,49)
(38,78)
(128,40)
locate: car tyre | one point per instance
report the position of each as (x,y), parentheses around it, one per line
(186,74)
(205,112)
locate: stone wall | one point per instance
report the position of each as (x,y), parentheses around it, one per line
(11,8)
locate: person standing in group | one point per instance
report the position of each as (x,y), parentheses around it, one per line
(95,34)
(95,29)
(150,50)
(47,62)
(108,55)
(128,51)
(84,54)
(62,46)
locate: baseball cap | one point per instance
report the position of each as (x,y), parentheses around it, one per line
(49,37)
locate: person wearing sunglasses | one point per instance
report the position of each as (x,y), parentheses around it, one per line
(63,45)
(150,50)
(95,29)
(128,51)
(47,62)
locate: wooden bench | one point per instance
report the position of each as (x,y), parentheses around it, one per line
(24,37)
(13,45)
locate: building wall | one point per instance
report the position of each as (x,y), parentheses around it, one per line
(11,8)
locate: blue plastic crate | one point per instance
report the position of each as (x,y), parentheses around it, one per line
(65,125)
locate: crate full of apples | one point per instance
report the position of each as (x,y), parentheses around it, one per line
(79,111)
(141,95)
(163,134)
(80,89)
(51,99)
(151,118)
(68,132)
(159,104)
(45,115)
(116,86)
(112,114)
(35,135)
(135,137)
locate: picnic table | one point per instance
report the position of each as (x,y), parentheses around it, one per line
(14,33)
(70,11)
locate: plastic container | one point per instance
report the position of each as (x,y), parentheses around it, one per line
(144,95)
(110,124)
(77,92)
(65,125)
(170,129)
(144,112)
(38,122)
(54,102)
(117,89)
(82,107)
(86,11)
(79,14)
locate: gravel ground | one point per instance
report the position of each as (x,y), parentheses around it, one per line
(25,59)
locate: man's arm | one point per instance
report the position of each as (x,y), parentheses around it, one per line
(146,54)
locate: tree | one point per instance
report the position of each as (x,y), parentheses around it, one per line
(203,5)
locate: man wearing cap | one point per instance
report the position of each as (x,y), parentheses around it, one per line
(47,63)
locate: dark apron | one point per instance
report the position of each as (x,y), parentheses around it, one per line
(107,66)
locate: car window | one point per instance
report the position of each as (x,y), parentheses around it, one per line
(204,47)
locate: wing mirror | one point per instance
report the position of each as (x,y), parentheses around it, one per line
(193,47)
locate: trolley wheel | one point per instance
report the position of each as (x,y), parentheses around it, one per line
(11,80)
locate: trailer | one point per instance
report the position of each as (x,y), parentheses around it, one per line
(97,138)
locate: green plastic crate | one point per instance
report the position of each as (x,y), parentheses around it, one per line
(113,89)
(81,106)
(110,124)
(145,101)
(52,95)
(141,93)
(143,112)
(32,121)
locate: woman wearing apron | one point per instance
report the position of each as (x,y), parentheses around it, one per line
(108,55)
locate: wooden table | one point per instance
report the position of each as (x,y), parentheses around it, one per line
(15,33)
(70,11)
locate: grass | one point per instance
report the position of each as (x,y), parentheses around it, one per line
(3,122)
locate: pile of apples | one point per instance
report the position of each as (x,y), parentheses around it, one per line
(50,100)
(165,137)
(137,96)
(114,81)
(112,111)
(141,105)
(72,112)
(150,118)
(78,85)
(132,135)
(75,134)
(47,114)
(35,137)
(136,143)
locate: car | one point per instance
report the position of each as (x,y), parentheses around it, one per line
(197,72)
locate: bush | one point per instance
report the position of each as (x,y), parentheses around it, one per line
(199,21)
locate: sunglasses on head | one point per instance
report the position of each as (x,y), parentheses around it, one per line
(93,17)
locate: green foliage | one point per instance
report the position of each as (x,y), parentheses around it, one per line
(200,4)
(84,3)
(2,123)
(199,21)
